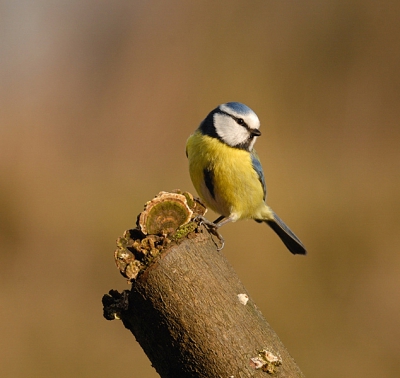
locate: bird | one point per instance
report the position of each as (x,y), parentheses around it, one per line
(227,173)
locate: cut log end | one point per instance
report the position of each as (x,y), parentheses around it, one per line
(168,217)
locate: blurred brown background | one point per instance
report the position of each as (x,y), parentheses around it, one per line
(97,100)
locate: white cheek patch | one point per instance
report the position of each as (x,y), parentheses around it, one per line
(229,131)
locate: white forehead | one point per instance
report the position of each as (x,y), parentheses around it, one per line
(239,110)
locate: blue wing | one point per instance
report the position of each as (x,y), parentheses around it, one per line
(258,168)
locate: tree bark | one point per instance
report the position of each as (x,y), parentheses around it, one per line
(189,313)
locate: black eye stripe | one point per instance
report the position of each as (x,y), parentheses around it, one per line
(239,121)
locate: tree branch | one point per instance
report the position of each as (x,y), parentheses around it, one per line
(191,314)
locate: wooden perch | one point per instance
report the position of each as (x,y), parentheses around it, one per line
(187,307)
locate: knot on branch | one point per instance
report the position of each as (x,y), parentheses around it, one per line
(167,218)
(114,303)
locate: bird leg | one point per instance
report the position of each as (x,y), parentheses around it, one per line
(212,228)
(223,220)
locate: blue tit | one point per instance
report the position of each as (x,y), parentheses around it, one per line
(227,174)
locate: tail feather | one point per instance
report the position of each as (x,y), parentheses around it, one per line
(291,241)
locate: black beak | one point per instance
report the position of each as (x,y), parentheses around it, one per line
(255,132)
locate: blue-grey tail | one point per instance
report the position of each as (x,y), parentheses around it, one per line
(291,241)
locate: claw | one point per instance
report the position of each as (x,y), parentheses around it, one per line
(212,228)
(222,241)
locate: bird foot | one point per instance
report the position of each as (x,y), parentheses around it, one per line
(212,229)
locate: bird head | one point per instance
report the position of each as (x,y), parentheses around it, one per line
(234,124)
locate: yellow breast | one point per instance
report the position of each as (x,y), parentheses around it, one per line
(237,188)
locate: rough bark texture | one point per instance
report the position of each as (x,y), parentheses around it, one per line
(185,312)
